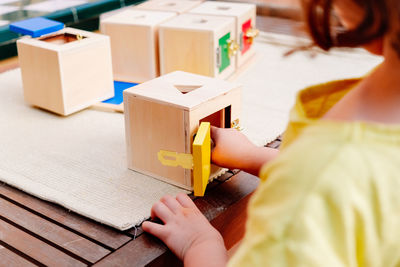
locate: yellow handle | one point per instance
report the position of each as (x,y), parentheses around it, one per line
(201,159)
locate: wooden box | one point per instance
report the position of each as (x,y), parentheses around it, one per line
(198,44)
(177,6)
(165,113)
(66,71)
(245,22)
(134,43)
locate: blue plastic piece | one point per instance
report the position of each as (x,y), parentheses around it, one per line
(119,87)
(36,27)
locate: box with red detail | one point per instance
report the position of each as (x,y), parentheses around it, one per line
(245,23)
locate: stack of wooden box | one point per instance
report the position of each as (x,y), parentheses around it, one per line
(162,36)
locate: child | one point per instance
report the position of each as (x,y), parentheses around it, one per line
(332,196)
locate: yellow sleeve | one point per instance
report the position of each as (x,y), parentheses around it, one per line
(312,211)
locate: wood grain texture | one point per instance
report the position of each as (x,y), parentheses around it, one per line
(104,235)
(151,127)
(231,223)
(55,234)
(134,43)
(9,258)
(189,43)
(140,252)
(35,248)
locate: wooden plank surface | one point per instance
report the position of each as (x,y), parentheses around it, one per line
(98,233)
(35,248)
(9,258)
(53,234)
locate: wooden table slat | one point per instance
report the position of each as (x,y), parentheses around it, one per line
(140,252)
(35,248)
(93,230)
(231,223)
(222,197)
(56,235)
(9,258)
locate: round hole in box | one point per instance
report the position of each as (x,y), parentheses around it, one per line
(200,21)
(223,7)
(139,17)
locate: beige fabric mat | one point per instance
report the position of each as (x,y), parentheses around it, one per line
(79,161)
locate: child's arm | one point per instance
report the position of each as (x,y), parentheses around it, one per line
(187,232)
(234,151)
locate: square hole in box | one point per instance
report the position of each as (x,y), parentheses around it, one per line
(62,38)
(220,119)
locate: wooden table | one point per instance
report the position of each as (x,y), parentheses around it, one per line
(36,232)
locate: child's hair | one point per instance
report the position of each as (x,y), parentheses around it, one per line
(375,24)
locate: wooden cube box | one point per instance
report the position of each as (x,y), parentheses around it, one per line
(66,71)
(198,44)
(165,113)
(177,6)
(134,43)
(245,22)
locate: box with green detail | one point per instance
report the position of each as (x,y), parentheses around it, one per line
(224,60)
(198,44)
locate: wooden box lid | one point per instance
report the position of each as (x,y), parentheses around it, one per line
(178,6)
(181,89)
(139,17)
(198,22)
(223,8)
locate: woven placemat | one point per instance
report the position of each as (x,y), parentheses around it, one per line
(79,161)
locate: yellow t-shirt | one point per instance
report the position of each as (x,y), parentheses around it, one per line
(332,196)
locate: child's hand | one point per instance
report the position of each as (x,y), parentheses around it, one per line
(185,230)
(230,147)
(234,151)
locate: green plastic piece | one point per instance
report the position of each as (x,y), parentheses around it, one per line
(224,51)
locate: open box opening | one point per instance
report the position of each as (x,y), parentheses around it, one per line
(62,38)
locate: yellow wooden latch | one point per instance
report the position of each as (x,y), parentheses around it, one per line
(200,161)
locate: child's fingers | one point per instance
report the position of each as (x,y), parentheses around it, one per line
(161,211)
(171,203)
(185,201)
(154,229)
